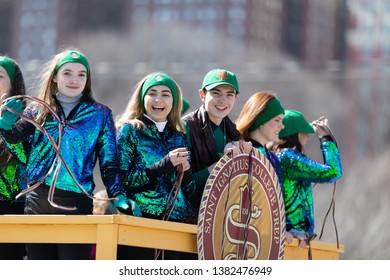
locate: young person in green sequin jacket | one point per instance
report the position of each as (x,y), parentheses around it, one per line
(88,135)
(261,121)
(12,167)
(299,171)
(152,148)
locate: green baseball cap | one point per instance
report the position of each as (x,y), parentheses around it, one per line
(294,122)
(217,77)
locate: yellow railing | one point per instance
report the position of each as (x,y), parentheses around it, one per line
(107,231)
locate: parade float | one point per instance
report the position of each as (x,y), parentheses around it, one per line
(241,218)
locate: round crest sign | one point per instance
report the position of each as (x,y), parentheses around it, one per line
(242,211)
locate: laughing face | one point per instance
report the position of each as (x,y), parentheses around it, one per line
(218,101)
(158,103)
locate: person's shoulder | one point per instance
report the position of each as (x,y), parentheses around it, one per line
(291,156)
(127,132)
(126,128)
(99,110)
(187,117)
(99,106)
(90,102)
(287,153)
(231,126)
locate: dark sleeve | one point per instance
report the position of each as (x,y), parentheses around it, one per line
(159,168)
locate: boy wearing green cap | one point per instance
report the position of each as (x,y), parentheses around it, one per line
(209,129)
(299,171)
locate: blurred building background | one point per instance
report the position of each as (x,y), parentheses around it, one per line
(321,57)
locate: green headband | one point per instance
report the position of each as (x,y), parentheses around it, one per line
(156,80)
(273,109)
(9,66)
(72,57)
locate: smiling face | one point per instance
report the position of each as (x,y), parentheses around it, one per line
(218,101)
(269,131)
(71,79)
(158,102)
(5,83)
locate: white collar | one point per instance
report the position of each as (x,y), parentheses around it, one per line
(160,125)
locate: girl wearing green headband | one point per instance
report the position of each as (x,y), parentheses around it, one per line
(8,66)
(87,136)
(169,94)
(12,168)
(261,119)
(71,66)
(152,153)
(11,72)
(260,122)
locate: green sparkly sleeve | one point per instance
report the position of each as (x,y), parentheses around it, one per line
(297,166)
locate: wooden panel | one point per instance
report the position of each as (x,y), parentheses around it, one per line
(156,238)
(156,234)
(48,233)
(109,230)
(107,240)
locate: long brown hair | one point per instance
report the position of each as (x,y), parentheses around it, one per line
(17,88)
(253,107)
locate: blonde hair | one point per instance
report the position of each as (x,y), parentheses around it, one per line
(253,107)
(135,109)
